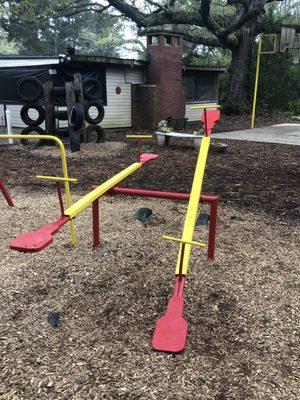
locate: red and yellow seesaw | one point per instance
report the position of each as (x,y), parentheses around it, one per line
(171,329)
(65,176)
(38,240)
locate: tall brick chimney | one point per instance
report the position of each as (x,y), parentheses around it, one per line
(165,71)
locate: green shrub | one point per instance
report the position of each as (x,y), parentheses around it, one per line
(294,106)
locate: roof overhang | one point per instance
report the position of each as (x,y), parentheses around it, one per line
(203,68)
(31,61)
(107,60)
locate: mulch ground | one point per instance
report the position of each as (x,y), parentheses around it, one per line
(256,176)
(242,309)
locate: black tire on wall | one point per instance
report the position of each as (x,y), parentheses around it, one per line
(95,134)
(100,110)
(76,116)
(35,130)
(37,94)
(27,119)
(92,89)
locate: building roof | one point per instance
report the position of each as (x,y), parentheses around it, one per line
(107,60)
(34,60)
(28,61)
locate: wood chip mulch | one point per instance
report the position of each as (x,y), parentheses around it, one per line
(242,309)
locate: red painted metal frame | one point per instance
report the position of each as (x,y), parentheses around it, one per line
(139,146)
(60,199)
(6,194)
(212,200)
(96,225)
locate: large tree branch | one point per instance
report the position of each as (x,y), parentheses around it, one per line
(209,22)
(166,16)
(192,38)
(247,16)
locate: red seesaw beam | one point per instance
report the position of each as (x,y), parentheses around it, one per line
(212,200)
(6,194)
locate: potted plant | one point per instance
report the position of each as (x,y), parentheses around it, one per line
(198,137)
(162,128)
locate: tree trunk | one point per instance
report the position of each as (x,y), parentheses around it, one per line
(238,87)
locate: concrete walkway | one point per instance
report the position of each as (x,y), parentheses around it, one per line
(281,133)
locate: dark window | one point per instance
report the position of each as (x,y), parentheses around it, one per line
(152,39)
(200,87)
(168,40)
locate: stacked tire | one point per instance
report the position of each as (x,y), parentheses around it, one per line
(92,91)
(30,92)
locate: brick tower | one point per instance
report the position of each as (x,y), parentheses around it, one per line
(165,71)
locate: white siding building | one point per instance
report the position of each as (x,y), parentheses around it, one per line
(119,76)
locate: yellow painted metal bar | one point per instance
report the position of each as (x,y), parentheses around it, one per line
(259,53)
(56,178)
(139,136)
(202,106)
(88,199)
(256,83)
(192,242)
(191,215)
(64,169)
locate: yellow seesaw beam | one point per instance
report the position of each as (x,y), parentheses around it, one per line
(191,215)
(88,199)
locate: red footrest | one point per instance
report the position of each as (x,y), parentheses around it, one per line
(32,242)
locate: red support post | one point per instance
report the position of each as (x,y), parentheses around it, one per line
(96,225)
(139,149)
(212,233)
(205,123)
(6,194)
(61,203)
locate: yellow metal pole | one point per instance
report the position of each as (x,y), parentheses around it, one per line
(203,106)
(139,136)
(64,169)
(55,178)
(193,243)
(256,82)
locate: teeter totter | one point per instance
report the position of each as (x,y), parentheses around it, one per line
(40,239)
(171,330)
